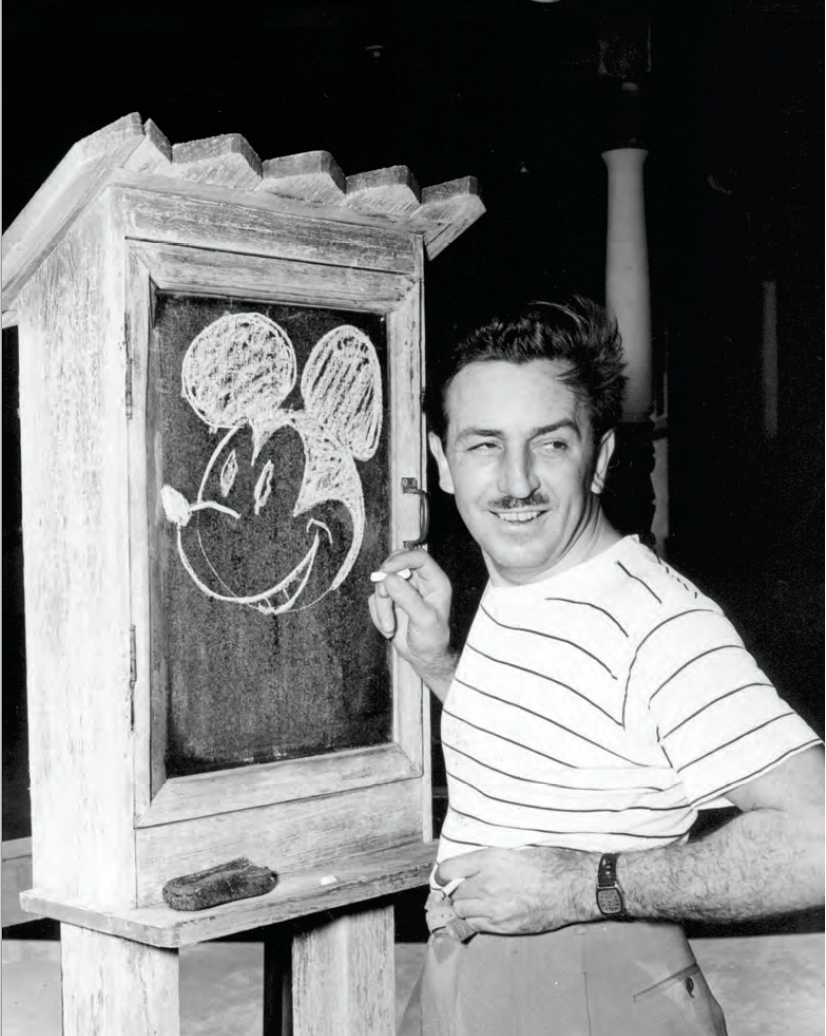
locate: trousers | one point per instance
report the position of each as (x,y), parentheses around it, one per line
(603,979)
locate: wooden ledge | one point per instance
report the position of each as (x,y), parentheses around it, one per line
(354,880)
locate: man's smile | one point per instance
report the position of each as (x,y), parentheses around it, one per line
(518,517)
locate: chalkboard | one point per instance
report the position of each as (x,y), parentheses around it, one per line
(269,505)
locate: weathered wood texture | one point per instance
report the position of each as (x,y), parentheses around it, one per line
(310,176)
(218,222)
(116,987)
(342,882)
(74,184)
(130,151)
(206,796)
(76,547)
(248,276)
(344,977)
(17,878)
(288,837)
(407,460)
(452,207)
(392,192)
(227,160)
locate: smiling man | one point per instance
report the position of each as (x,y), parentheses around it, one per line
(600,700)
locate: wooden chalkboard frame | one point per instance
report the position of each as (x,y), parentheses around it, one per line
(182,269)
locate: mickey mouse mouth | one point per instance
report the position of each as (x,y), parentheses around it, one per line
(288,589)
(293,584)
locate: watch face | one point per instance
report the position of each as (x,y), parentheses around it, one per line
(609,901)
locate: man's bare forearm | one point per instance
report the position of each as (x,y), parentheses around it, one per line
(761,863)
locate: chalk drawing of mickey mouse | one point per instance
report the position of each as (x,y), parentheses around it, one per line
(235,375)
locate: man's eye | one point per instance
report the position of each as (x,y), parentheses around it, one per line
(263,487)
(228,473)
(553,446)
(484,447)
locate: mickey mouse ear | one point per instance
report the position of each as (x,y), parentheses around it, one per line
(240,368)
(341,386)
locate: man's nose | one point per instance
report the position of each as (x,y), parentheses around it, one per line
(517,475)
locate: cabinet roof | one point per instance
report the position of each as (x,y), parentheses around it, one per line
(133,152)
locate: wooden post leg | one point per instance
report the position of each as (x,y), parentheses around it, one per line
(278,1015)
(343,975)
(115,987)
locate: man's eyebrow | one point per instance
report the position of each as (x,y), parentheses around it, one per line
(497,433)
(479,433)
(547,429)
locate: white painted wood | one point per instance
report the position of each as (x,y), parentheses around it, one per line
(263,224)
(358,879)
(153,154)
(344,977)
(227,160)
(17,878)
(219,168)
(406,331)
(312,176)
(450,208)
(76,548)
(199,271)
(74,184)
(116,987)
(183,798)
(390,192)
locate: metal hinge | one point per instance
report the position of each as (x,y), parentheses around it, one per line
(133,674)
(127,344)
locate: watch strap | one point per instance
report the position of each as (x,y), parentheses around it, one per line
(607,871)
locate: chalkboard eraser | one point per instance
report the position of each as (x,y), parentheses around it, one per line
(237,879)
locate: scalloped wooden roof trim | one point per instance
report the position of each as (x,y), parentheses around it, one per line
(389,195)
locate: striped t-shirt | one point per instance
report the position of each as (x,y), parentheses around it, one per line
(599,708)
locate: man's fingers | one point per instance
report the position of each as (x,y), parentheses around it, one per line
(383,614)
(410,600)
(464,866)
(421,565)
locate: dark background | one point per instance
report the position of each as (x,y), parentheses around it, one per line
(510,91)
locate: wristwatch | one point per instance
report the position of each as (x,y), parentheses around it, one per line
(610,899)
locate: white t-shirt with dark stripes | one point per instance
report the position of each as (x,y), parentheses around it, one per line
(599,708)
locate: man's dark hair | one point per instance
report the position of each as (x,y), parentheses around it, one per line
(579,336)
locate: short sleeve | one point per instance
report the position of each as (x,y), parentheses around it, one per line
(719,720)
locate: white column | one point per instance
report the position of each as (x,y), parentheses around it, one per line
(627,293)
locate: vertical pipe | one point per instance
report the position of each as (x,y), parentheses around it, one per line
(627,292)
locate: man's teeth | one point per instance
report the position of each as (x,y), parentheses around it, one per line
(519,516)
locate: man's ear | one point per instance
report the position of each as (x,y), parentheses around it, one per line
(435,444)
(604,454)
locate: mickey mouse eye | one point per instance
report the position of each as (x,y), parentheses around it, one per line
(228,473)
(263,487)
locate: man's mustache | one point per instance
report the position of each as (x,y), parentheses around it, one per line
(513,503)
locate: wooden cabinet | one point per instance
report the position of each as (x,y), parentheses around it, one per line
(221,367)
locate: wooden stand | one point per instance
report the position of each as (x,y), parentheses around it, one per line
(128,228)
(120,968)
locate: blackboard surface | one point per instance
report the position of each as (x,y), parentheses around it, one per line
(250,673)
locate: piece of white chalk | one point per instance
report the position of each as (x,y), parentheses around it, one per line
(328,879)
(451,886)
(379,577)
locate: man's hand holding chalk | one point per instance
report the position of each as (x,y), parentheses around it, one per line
(414,614)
